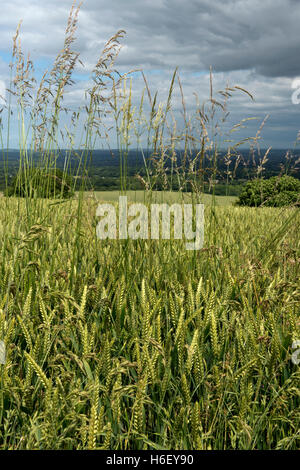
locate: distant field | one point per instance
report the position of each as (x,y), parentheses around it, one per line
(158,196)
(161,196)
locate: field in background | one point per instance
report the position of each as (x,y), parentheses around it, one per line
(157,196)
(160,197)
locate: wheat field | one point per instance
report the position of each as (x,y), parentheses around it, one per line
(141,344)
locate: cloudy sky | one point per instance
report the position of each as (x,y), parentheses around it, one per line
(254,44)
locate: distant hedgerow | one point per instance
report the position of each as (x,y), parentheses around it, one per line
(273,192)
(38,182)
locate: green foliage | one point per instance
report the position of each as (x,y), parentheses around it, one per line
(37,182)
(273,192)
(143,344)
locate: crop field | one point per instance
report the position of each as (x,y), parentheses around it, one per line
(141,344)
(167,197)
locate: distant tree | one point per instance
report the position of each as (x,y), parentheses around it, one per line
(273,192)
(38,182)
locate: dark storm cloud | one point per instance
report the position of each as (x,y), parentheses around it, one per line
(252,43)
(196,34)
(231,35)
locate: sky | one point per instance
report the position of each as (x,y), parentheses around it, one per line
(250,43)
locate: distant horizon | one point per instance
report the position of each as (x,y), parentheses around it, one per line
(112,149)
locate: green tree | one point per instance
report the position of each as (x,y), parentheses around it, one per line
(38,182)
(273,192)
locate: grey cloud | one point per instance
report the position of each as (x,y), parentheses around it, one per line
(232,35)
(252,43)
